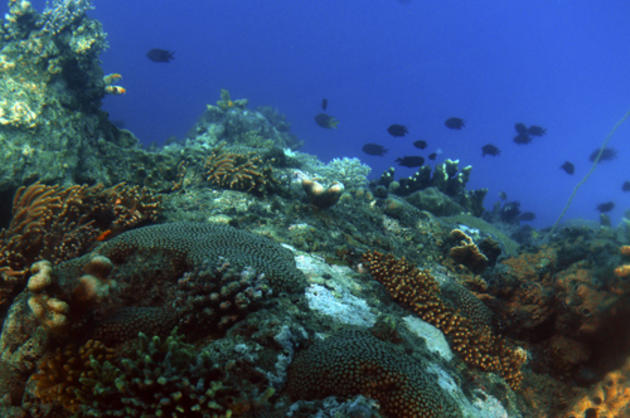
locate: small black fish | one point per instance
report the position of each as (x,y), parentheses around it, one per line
(536,130)
(454,123)
(490,149)
(433,156)
(326,121)
(522,139)
(568,167)
(160,55)
(527,216)
(605,207)
(374,149)
(324,103)
(625,186)
(520,128)
(410,161)
(420,144)
(397,130)
(608,154)
(503,196)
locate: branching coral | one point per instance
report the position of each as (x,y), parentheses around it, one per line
(238,171)
(159,377)
(218,296)
(419,292)
(153,376)
(58,379)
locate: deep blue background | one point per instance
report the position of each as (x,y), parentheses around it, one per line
(561,64)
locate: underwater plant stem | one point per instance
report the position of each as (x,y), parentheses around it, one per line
(581,182)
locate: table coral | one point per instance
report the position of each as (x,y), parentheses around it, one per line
(419,292)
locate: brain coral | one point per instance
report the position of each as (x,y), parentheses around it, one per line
(355,362)
(169,250)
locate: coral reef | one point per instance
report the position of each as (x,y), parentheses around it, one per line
(354,363)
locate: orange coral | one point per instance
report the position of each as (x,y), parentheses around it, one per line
(610,397)
(419,292)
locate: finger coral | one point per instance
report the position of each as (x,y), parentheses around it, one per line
(418,291)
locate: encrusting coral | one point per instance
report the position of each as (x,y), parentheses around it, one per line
(416,290)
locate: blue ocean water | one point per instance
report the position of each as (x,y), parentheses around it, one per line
(559,64)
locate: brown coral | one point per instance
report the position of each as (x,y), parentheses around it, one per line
(466,252)
(419,292)
(238,171)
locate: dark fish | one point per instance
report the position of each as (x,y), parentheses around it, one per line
(410,161)
(568,167)
(397,130)
(160,55)
(625,186)
(326,121)
(420,144)
(374,149)
(527,216)
(432,156)
(490,149)
(520,128)
(536,130)
(605,207)
(454,123)
(324,103)
(522,139)
(503,196)
(608,154)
